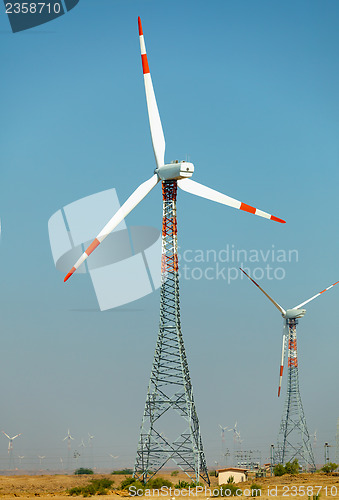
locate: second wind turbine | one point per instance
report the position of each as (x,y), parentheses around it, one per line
(294,440)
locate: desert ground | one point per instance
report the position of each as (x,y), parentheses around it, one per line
(56,486)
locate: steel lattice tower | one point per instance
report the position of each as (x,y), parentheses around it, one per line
(293,439)
(170,390)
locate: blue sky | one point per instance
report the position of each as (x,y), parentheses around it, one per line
(249,91)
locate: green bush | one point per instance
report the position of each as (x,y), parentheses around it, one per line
(157,483)
(83,470)
(123,471)
(292,467)
(279,470)
(255,490)
(95,487)
(126,483)
(182,485)
(330,467)
(228,490)
(174,473)
(230,480)
(289,468)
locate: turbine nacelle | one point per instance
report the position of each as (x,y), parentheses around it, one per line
(175,170)
(294,313)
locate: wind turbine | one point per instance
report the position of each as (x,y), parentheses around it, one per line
(223,451)
(180,172)
(235,432)
(223,429)
(83,446)
(113,457)
(293,425)
(152,458)
(10,447)
(69,439)
(90,445)
(41,457)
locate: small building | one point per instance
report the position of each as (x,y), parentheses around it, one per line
(239,475)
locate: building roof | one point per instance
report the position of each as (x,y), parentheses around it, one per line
(235,469)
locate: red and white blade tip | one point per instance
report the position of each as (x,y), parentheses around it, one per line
(84,256)
(68,275)
(140,26)
(256,211)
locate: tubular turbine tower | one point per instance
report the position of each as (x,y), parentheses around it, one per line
(293,439)
(170,393)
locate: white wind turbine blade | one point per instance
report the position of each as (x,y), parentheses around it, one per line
(7,436)
(210,194)
(136,197)
(16,436)
(282,358)
(281,309)
(315,296)
(157,134)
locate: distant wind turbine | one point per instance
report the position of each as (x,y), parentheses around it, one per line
(10,447)
(223,429)
(91,453)
(11,439)
(69,439)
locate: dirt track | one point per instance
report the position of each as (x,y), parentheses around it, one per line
(55,486)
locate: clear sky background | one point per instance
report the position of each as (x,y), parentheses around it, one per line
(249,91)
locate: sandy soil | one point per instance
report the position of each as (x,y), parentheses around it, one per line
(55,486)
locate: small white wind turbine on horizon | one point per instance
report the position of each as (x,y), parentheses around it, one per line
(223,429)
(236,433)
(180,172)
(41,457)
(11,439)
(295,313)
(69,439)
(113,457)
(90,445)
